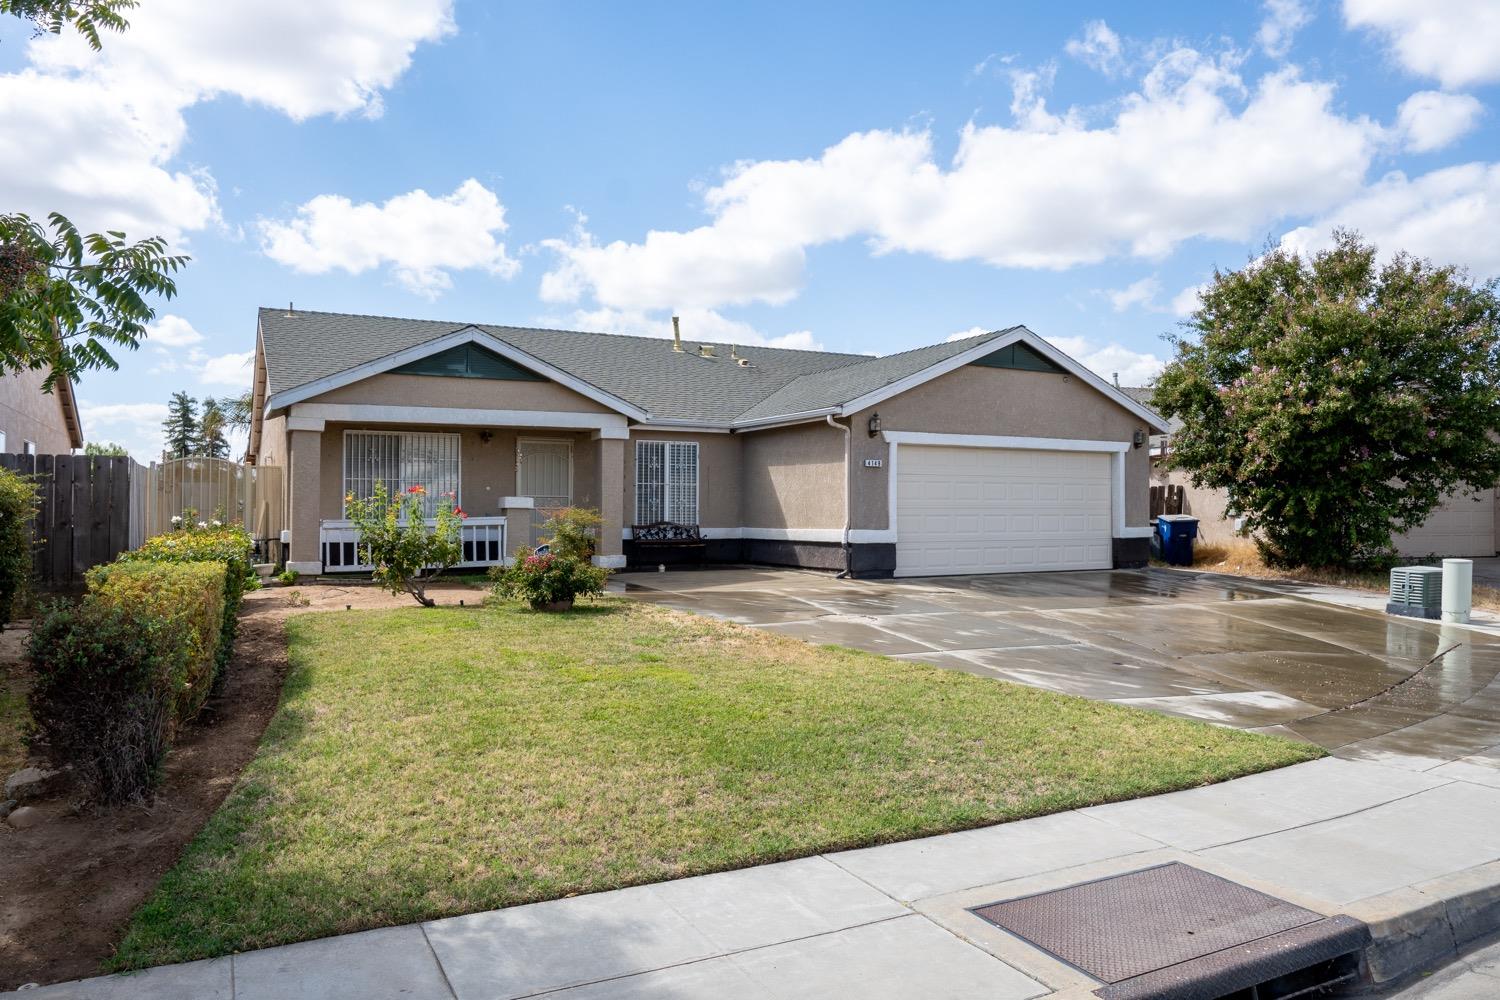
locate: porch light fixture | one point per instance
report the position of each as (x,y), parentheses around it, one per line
(874,424)
(485,436)
(1139,438)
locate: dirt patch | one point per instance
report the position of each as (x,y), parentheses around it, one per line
(68,886)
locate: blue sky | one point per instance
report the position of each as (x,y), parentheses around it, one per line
(859,177)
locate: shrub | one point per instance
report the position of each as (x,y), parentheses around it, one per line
(288,576)
(574,531)
(393,532)
(228,544)
(101,698)
(18,504)
(553,578)
(187,599)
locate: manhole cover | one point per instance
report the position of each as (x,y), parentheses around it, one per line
(1124,926)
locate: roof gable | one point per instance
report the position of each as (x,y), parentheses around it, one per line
(468,361)
(1019,356)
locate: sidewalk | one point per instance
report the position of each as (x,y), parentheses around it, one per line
(1412,853)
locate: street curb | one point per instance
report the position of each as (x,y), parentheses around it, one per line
(1423,926)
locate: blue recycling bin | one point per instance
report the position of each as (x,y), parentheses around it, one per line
(1177,532)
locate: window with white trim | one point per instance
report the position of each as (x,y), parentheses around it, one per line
(401,460)
(666,481)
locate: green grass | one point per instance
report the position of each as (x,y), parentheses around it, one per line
(434,762)
(14,718)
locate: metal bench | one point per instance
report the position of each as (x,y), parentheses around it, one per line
(667,534)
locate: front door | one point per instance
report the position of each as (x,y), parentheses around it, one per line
(544,472)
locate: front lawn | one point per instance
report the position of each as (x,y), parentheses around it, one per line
(433,762)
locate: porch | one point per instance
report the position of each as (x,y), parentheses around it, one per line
(506,469)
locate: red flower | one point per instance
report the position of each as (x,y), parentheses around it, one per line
(460,512)
(418,489)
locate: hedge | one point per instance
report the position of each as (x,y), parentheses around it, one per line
(188,598)
(18,504)
(117,674)
(230,545)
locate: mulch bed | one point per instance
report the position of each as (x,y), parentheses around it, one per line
(69,886)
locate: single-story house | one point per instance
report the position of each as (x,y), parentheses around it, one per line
(33,422)
(994,453)
(1466,524)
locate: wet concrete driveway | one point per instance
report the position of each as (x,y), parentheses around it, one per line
(1366,686)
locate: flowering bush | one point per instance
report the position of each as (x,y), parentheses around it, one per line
(572,532)
(550,579)
(395,537)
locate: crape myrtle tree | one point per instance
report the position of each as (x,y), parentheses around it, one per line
(1335,399)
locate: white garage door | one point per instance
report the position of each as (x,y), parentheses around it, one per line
(1000,510)
(1462,525)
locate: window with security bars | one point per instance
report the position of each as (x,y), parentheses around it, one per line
(401,460)
(666,481)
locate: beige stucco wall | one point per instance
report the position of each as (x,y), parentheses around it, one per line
(487,469)
(719,476)
(793,477)
(28,414)
(272,442)
(996,401)
(477,393)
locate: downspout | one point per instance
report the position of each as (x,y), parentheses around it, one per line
(848,513)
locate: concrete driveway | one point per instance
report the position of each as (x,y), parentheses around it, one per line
(1362,684)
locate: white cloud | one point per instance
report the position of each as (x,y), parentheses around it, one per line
(972,331)
(1194,152)
(169,330)
(420,237)
(698,325)
(1456,42)
(1099,47)
(1449,215)
(1284,18)
(1138,293)
(110,125)
(135,425)
(228,369)
(1108,360)
(1185,302)
(1430,119)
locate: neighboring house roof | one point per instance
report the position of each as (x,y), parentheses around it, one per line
(1142,394)
(308,353)
(68,404)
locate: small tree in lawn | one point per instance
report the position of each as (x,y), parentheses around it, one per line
(1337,400)
(393,533)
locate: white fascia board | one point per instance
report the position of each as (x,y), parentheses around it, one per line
(1018,334)
(1002,441)
(1153,419)
(678,427)
(465,335)
(377,413)
(929,373)
(785,420)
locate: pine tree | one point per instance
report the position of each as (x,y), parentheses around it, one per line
(181,425)
(211,440)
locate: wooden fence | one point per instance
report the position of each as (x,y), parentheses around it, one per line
(1166,500)
(84,515)
(93,507)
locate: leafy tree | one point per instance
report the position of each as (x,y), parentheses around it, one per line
(1337,400)
(181,425)
(108,448)
(87,17)
(67,298)
(211,424)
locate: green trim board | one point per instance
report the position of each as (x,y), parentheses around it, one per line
(469,361)
(1020,356)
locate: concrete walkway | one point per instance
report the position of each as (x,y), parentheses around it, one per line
(1413,854)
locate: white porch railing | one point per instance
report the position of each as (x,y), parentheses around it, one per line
(482,540)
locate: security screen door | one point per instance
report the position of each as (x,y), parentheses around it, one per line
(544,472)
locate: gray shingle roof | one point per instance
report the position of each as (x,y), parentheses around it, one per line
(1142,394)
(303,347)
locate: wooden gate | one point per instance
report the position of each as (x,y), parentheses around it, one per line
(84,514)
(1166,500)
